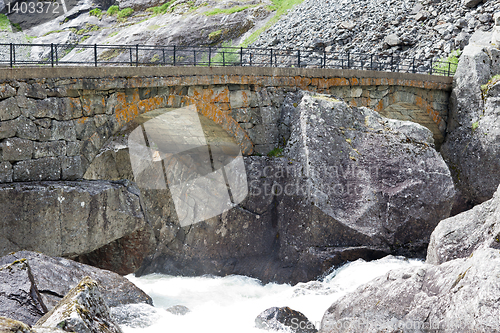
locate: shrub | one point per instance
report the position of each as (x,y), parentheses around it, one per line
(96,12)
(447,64)
(125,12)
(113,10)
(160,10)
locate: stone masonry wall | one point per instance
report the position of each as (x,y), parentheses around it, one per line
(52,128)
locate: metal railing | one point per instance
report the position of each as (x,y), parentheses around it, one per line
(14,55)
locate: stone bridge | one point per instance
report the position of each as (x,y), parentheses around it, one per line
(54,121)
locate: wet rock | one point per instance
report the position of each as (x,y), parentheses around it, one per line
(135,315)
(284,319)
(54,277)
(19,296)
(457,296)
(179,310)
(82,310)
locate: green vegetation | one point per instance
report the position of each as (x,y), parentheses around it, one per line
(281,7)
(113,10)
(155,58)
(228,11)
(84,38)
(215,35)
(88,28)
(226,55)
(96,12)
(125,12)
(51,32)
(475,125)
(276,152)
(160,10)
(445,64)
(17,27)
(5,23)
(113,34)
(493,80)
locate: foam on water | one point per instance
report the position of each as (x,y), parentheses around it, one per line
(230,304)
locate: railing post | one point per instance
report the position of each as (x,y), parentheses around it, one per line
(298,58)
(10,53)
(131,58)
(392,59)
(250,58)
(413,70)
(51,55)
(430,72)
(136,55)
(174,55)
(223,58)
(163,52)
(324,58)
(371,62)
(271,57)
(241,56)
(95,55)
(209,56)
(56,57)
(194,55)
(449,68)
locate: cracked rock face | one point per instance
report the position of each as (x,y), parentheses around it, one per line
(460,295)
(66,218)
(471,147)
(82,310)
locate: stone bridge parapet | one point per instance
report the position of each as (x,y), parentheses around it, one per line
(54,121)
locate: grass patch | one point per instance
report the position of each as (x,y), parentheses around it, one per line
(445,64)
(96,12)
(16,27)
(84,38)
(227,57)
(276,152)
(110,54)
(125,12)
(113,10)
(113,34)
(160,10)
(228,11)
(52,32)
(5,23)
(215,35)
(88,28)
(281,7)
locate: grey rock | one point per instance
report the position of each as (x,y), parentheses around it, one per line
(284,319)
(15,149)
(7,91)
(9,109)
(19,296)
(49,149)
(55,277)
(392,40)
(8,129)
(456,296)
(36,91)
(459,236)
(72,167)
(66,218)
(46,168)
(134,315)
(26,129)
(470,3)
(422,16)
(471,148)
(82,310)
(63,130)
(179,310)
(8,325)
(5,172)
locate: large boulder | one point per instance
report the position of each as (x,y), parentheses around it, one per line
(8,325)
(357,182)
(19,296)
(82,310)
(55,277)
(68,218)
(459,236)
(460,295)
(471,147)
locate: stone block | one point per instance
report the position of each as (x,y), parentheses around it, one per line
(44,134)
(63,130)
(270,115)
(47,168)
(72,167)
(15,149)
(5,172)
(73,148)
(27,129)
(8,129)
(9,109)
(240,98)
(241,114)
(49,149)
(85,127)
(7,91)
(263,134)
(35,90)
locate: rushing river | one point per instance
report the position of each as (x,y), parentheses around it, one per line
(230,304)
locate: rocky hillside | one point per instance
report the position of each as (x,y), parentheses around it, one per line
(411,28)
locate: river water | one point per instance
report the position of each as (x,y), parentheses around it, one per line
(230,304)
